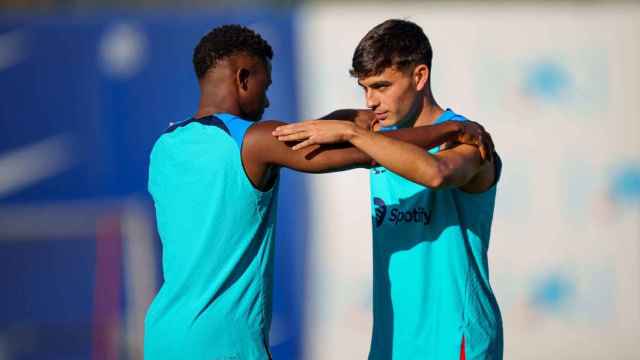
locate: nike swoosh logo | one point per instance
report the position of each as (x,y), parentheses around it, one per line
(33,163)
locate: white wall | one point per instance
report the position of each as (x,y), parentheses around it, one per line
(558,88)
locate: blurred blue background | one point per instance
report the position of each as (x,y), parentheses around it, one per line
(83,99)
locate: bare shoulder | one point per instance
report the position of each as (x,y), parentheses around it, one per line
(261,132)
(265,126)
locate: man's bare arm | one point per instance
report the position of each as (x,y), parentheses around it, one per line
(261,150)
(467,132)
(461,166)
(361,117)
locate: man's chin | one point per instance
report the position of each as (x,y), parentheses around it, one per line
(388,122)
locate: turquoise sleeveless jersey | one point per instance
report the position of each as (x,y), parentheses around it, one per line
(430,272)
(217,235)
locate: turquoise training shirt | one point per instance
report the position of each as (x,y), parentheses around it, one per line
(430,271)
(217,233)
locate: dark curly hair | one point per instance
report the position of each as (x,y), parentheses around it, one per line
(227,40)
(398,43)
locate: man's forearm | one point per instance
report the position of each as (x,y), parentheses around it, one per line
(428,136)
(362,118)
(450,168)
(405,144)
(425,137)
(403,158)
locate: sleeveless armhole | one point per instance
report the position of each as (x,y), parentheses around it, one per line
(237,129)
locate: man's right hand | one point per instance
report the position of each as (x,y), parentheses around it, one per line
(472,133)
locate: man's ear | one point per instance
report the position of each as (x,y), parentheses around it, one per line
(421,76)
(242,78)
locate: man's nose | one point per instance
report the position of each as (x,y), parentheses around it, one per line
(372,100)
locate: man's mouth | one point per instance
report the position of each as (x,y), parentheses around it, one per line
(381,116)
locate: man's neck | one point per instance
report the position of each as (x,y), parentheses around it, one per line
(217,96)
(431,111)
(208,110)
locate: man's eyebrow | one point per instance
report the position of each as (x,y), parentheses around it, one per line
(380,83)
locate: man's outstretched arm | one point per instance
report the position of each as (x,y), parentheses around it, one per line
(362,117)
(467,132)
(261,150)
(462,166)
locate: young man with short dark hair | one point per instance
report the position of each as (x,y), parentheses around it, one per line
(431,211)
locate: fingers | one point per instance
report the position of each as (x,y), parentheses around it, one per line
(492,147)
(302,135)
(288,129)
(487,147)
(373,125)
(303,144)
(489,144)
(479,137)
(477,125)
(446,145)
(493,153)
(483,151)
